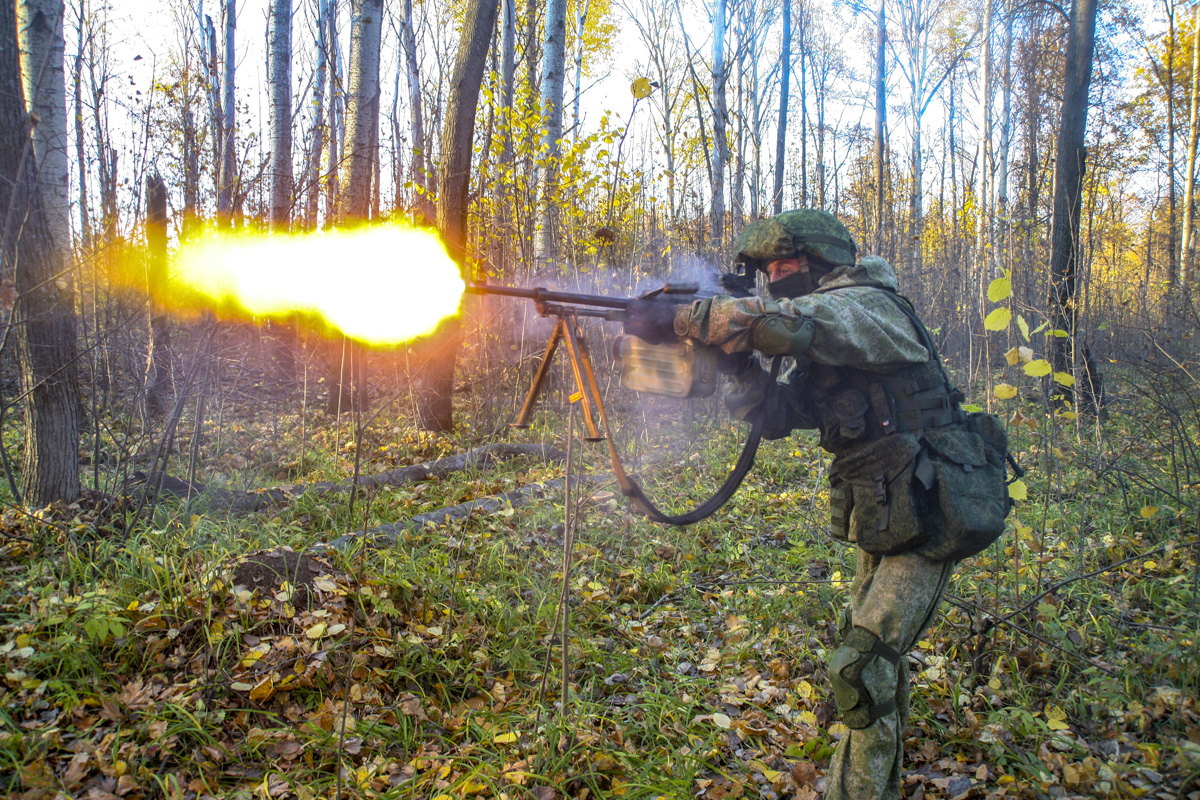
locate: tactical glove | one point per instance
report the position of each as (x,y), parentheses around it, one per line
(651,320)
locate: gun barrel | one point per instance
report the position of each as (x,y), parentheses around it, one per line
(549,296)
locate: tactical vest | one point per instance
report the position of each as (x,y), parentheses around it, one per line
(857,406)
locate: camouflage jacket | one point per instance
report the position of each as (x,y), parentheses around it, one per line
(856,328)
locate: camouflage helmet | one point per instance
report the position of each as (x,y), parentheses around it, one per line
(786,235)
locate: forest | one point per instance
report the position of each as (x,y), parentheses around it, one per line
(287,513)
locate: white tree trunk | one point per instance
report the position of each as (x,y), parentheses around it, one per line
(311,182)
(420,151)
(554,56)
(40,27)
(720,112)
(362,109)
(1188,246)
(228,173)
(281,113)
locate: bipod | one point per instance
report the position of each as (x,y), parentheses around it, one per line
(587,388)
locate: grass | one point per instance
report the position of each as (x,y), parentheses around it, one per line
(696,657)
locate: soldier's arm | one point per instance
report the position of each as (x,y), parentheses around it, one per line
(857,326)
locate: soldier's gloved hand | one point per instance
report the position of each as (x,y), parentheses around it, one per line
(651,320)
(745,395)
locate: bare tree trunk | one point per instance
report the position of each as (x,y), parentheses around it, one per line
(312,169)
(334,128)
(582,21)
(43,318)
(435,402)
(880,119)
(1070,158)
(420,150)
(720,114)
(553,73)
(228,170)
(85,219)
(281,113)
(1172,200)
(785,66)
(1188,247)
(158,366)
(348,389)
(40,30)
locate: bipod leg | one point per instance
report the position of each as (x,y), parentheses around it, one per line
(585,379)
(540,377)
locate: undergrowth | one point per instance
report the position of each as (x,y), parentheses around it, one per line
(1066,662)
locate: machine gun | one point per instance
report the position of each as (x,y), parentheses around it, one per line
(677,369)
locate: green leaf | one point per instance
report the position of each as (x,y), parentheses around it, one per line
(1038,369)
(998,320)
(1060,334)
(999,289)
(971,409)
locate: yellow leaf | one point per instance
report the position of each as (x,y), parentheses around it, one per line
(316,631)
(1039,368)
(1004,391)
(837,729)
(721,721)
(334,630)
(132,606)
(641,88)
(504,738)
(263,689)
(1150,565)
(805,690)
(1057,725)
(1013,356)
(808,718)
(997,320)
(1149,511)
(1068,415)
(1064,378)
(238,686)
(1054,712)
(1017,490)
(1024,326)
(999,289)
(618,788)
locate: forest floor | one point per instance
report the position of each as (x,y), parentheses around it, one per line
(147,652)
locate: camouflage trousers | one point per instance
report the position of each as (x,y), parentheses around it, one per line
(896,598)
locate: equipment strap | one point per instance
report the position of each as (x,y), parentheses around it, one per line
(631,489)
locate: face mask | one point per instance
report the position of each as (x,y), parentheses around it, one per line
(794,285)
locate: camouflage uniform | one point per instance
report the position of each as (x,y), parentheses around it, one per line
(861,361)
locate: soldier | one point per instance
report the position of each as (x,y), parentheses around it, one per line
(868,377)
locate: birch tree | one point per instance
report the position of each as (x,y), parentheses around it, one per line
(226,184)
(40,23)
(43,317)
(785,70)
(553,74)
(362,110)
(281,113)
(720,116)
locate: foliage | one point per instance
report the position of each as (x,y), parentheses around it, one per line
(1065,663)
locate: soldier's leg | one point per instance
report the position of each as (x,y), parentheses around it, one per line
(893,599)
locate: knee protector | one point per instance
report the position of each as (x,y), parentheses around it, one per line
(858,649)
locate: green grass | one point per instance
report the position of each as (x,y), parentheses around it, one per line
(696,663)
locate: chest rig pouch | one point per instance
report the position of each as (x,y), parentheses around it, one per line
(912,470)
